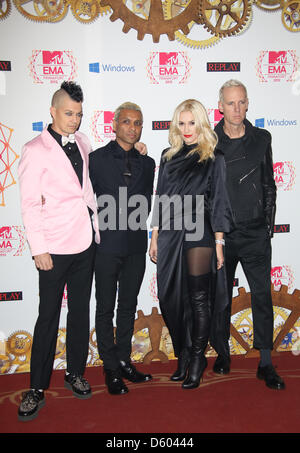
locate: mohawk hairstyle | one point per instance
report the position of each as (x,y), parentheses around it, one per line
(73,90)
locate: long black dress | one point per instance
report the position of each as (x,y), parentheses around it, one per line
(183,175)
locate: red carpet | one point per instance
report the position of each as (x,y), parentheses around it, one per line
(236,403)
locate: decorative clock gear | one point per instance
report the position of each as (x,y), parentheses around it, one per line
(268,5)
(174,7)
(290,15)
(156,24)
(5,8)
(224,17)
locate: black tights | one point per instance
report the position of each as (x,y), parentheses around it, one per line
(199,272)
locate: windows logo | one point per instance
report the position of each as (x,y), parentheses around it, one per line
(94,67)
(260,122)
(38,126)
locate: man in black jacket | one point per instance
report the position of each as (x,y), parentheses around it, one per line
(122,179)
(252,192)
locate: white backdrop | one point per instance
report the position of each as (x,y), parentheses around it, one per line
(113,67)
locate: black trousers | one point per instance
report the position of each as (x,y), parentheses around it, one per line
(122,275)
(251,246)
(75,271)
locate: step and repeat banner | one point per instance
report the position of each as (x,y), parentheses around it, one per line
(155,53)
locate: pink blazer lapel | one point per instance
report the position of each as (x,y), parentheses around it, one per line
(61,159)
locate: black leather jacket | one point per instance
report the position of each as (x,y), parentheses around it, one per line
(250,178)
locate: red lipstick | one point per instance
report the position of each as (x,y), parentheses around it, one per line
(187,136)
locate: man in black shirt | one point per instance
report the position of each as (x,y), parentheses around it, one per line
(252,192)
(120,174)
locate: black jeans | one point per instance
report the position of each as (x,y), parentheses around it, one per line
(75,271)
(251,246)
(119,276)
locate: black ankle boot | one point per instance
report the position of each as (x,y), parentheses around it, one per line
(182,366)
(195,373)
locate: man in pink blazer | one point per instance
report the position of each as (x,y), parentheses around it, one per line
(60,218)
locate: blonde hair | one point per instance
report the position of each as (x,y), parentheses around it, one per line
(127,106)
(207,138)
(231,83)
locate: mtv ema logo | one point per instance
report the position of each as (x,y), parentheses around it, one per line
(284,175)
(277,65)
(12,240)
(282,275)
(214,116)
(52,66)
(102,128)
(168,67)
(8,158)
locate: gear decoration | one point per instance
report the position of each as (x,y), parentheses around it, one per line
(8,158)
(18,347)
(290,15)
(85,11)
(61,343)
(268,5)
(154,323)
(224,17)
(55,10)
(5,364)
(5,8)
(241,327)
(46,10)
(151,338)
(173,8)
(156,24)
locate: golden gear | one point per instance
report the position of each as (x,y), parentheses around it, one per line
(225,17)
(103,9)
(268,5)
(5,364)
(61,343)
(286,320)
(85,11)
(290,15)
(5,8)
(196,44)
(46,10)
(244,324)
(173,8)
(95,359)
(48,7)
(19,343)
(155,25)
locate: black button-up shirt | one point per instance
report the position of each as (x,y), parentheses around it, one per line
(72,151)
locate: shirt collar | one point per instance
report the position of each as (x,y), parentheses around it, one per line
(120,153)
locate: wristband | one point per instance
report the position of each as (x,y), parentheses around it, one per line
(220,241)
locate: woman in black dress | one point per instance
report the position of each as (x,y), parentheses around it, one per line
(190,273)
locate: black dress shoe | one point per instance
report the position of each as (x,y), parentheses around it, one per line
(271,378)
(221,365)
(128,371)
(32,402)
(79,386)
(114,382)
